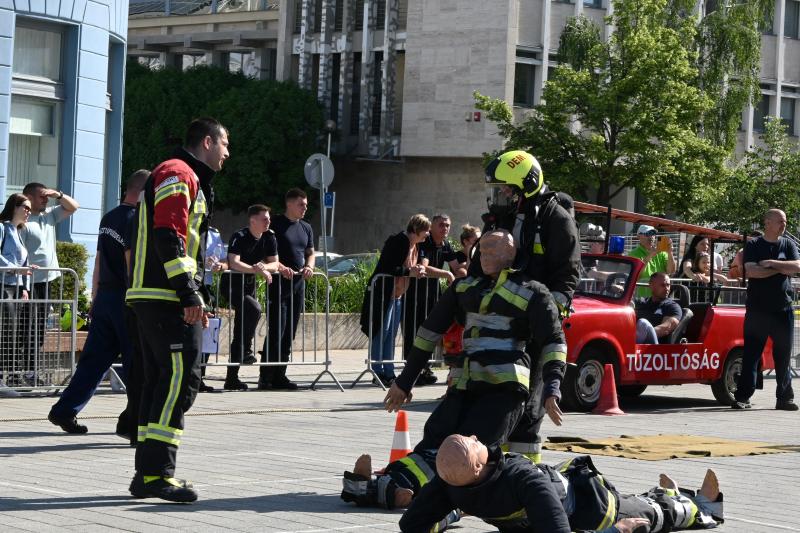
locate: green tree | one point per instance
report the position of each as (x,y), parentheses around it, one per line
(274,127)
(636,110)
(768,176)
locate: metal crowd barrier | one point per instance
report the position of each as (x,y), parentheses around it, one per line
(39,339)
(313,342)
(420,295)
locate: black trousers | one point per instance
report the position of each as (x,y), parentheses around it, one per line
(128,420)
(758,326)
(286,301)
(419,299)
(490,416)
(171,364)
(525,437)
(248,312)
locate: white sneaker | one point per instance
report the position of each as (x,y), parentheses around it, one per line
(6,392)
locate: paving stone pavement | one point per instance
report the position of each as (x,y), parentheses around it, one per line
(272,461)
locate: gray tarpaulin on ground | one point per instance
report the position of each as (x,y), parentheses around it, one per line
(660,447)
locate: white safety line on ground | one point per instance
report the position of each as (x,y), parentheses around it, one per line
(263,481)
(32,488)
(264,452)
(756,522)
(344,528)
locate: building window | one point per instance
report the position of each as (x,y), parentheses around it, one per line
(787,114)
(380,16)
(355,95)
(791,19)
(760,113)
(317,16)
(336,65)
(711,6)
(298,15)
(244,62)
(359,14)
(524,78)
(37,93)
(338,15)
(377,93)
(593,3)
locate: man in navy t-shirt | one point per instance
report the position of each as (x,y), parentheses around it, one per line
(252,251)
(296,253)
(769,263)
(658,315)
(108,333)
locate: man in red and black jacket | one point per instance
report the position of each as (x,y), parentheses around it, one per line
(166,283)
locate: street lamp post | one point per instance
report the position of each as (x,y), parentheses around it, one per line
(330,127)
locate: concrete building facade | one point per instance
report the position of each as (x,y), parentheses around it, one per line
(61,96)
(398,77)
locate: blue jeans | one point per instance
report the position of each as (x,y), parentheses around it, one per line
(645,332)
(108,337)
(382,345)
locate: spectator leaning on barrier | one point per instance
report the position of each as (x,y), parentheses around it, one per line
(166,293)
(39,237)
(434,253)
(215,262)
(287,298)
(15,284)
(770,262)
(108,333)
(656,258)
(469,236)
(382,308)
(252,251)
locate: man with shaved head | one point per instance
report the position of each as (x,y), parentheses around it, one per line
(502,312)
(515,495)
(769,263)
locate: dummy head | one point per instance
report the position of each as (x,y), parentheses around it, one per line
(497,252)
(460,460)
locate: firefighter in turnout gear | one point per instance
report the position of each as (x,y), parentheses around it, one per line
(165,292)
(514,495)
(503,312)
(548,250)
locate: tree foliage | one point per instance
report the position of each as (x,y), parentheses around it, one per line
(655,107)
(273,127)
(766,177)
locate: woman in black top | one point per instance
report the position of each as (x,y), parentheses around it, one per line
(382,308)
(469,236)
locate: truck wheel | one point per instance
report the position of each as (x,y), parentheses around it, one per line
(581,388)
(631,391)
(725,386)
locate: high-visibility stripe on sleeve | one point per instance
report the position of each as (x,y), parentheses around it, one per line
(141,246)
(165,295)
(172,190)
(554,356)
(419,469)
(611,508)
(424,344)
(180,265)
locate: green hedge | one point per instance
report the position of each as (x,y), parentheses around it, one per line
(72,255)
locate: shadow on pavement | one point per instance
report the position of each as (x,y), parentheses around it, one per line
(78,445)
(268,503)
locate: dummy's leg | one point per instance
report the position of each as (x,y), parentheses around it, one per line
(710,486)
(392,489)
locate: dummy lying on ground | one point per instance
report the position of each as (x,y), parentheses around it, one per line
(514,495)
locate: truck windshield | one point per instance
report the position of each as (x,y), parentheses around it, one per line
(602,276)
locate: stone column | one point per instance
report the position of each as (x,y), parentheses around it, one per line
(389,74)
(305,42)
(345,46)
(325,56)
(283,59)
(367,75)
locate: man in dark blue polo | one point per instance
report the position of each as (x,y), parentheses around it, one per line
(108,335)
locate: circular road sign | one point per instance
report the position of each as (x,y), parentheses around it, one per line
(318,171)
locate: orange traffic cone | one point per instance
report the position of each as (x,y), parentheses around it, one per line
(401,444)
(607,405)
